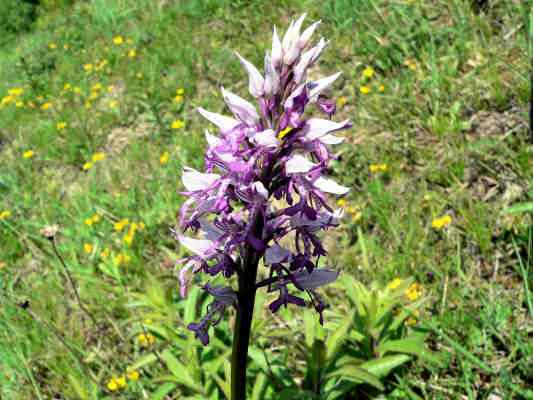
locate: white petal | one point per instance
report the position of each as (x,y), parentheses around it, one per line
(315,279)
(298,164)
(295,93)
(331,139)
(242,109)
(260,189)
(211,139)
(256,81)
(200,247)
(320,85)
(277,50)
(225,124)
(272,80)
(303,64)
(194,180)
(318,127)
(265,138)
(306,35)
(330,186)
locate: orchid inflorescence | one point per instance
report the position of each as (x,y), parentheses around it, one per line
(263,193)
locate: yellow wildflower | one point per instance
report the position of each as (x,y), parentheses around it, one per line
(178,98)
(139,75)
(341,202)
(46,106)
(87,166)
(94,95)
(97,86)
(128,237)
(341,101)
(92,220)
(132,53)
(28,154)
(364,89)
(110,89)
(105,253)
(284,132)
(66,46)
(121,381)
(19,104)
(118,40)
(98,157)
(89,221)
(120,225)
(133,375)
(394,283)
(381,88)
(76,90)
(163,159)
(378,168)
(15,91)
(52,46)
(177,124)
(113,104)
(439,223)
(146,340)
(180,91)
(121,259)
(88,67)
(61,125)
(414,292)
(5,214)
(88,248)
(368,72)
(112,385)
(67,86)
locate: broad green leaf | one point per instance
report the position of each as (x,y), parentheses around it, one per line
(337,338)
(384,365)
(180,371)
(163,390)
(224,386)
(412,345)
(357,374)
(309,328)
(519,208)
(259,386)
(144,361)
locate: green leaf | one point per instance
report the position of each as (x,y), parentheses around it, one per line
(180,371)
(162,391)
(337,338)
(259,387)
(519,208)
(412,345)
(384,365)
(143,361)
(357,374)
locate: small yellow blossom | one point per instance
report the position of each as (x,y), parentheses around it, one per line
(88,67)
(97,86)
(439,223)
(46,106)
(67,86)
(121,381)
(15,91)
(88,248)
(110,89)
(139,75)
(98,157)
(414,292)
(378,168)
(117,383)
(146,340)
(66,46)
(92,220)
(76,90)
(410,64)
(132,53)
(178,98)
(163,159)
(121,259)
(19,104)
(118,40)
(113,104)
(87,166)
(28,154)
(120,225)
(284,132)
(133,375)
(341,202)
(341,101)
(128,237)
(88,105)
(368,72)
(364,89)
(88,221)
(105,253)
(5,214)
(94,95)
(61,125)
(381,88)
(52,46)
(394,283)
(177,124)
(180,91)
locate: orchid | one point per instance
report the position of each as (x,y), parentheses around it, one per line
(262,199)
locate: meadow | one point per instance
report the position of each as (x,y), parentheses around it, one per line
(98,118)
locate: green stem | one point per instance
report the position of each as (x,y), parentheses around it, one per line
(243,326)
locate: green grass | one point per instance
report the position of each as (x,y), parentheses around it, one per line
(450,124)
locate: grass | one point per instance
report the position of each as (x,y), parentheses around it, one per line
(450,125)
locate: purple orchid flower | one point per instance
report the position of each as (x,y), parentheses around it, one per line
(262,153)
